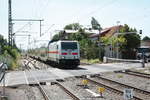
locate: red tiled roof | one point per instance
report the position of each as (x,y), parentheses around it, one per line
(107,31)
(145,43)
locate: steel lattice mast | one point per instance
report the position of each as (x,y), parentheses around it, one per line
(9,23)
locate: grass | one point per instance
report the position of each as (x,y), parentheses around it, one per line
(120,76)
(91,61)
(10,61)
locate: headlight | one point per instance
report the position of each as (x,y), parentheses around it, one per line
(75,57)
(62,57)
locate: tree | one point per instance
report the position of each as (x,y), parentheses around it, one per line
(3,42)
(121,40)
(132,42)
(8,54)
(73,26)
(95,24)
(88,49)
(55,38)
(127,42)
(146,38)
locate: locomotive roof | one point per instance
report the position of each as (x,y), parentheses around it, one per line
(61,41)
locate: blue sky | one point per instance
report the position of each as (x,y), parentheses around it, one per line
(135,13)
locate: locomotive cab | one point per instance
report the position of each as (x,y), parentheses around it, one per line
(69,55)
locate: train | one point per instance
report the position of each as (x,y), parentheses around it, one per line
(61,54)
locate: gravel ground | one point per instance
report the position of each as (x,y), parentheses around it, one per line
(131,80)
(75,85)
(145,70)
(108,95)
(16,94)
(33,93)
(23,93)
(138,82)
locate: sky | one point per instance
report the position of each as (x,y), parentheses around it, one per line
(58,13)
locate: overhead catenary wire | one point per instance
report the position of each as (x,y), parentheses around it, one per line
(96,10)
(42,12)
(20,29)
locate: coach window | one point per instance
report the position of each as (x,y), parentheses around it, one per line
(56,46)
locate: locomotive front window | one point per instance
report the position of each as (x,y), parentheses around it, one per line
(68,45)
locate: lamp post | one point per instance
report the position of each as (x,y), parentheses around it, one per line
(117,40)
(143,53)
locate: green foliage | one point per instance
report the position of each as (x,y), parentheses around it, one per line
(88,49)
(95,24)
(10,55)
(127,42)
(132,42)
(121,40)
(126,28)
(55,37)
(146,38)
(91,61)
(74,26)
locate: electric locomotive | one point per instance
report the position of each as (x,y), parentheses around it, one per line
(64,53)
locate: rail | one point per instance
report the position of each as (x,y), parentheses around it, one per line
(138,72)
(43,93)
(143,75)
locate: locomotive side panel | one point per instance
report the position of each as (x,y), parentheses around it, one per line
(53,51)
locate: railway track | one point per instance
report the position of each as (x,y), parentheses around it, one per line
(67,91)
(43,92)
(139,92)
(45,96)
(134,73)
(110,88)
(125,85)
(30,61)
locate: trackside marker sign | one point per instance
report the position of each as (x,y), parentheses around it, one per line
(128,94)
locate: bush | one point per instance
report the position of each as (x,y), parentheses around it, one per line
(10,57)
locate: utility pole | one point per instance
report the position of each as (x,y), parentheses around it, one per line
(40,28)
(117,40)
(99,43)
(9,23)
(29,41)
(20,47)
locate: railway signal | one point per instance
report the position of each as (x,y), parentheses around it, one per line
(101,90)
(85,82)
